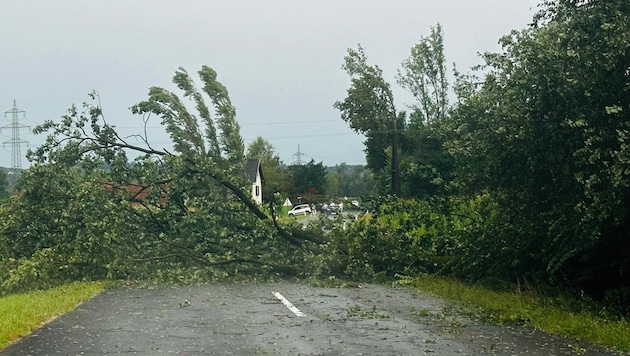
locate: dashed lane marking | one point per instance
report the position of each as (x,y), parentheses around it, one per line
(288,304)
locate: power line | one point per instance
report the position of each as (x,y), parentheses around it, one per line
(287,122)
(308,136)
(244,124)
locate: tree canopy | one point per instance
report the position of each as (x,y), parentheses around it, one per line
(85,211)
(369,107)
(529,166)
(403,151)
(544,133)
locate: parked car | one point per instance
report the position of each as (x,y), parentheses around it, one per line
(331,209)
(302,209)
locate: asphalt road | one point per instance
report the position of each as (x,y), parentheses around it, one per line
(279,319)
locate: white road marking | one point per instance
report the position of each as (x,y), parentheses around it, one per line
(288,304)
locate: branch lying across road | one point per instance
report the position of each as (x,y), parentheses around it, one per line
(296,236)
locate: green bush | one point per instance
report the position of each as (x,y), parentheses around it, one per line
(37,272)
(401,236)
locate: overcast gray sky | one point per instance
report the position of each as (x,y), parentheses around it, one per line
(280,60)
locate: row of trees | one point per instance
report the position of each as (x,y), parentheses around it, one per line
(312,180)
(536,141)
(403,150)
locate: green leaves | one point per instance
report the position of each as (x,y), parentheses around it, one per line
(179,123)
(369,106)
(544,129)
(97,215)
(424,75)
(230,139)
(407,151)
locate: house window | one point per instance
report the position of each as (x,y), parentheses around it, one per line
(257,190)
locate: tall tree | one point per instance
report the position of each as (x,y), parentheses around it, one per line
(331,184)
(263,150)
(425,166)
(308,179)
(369,109)
(353,181)
(424,75)
(4,183)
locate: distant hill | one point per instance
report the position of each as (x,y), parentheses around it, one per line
(350,166)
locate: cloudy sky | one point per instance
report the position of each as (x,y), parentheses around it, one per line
(280,59)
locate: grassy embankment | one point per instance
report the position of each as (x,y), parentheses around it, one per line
(20,314)
(552,312)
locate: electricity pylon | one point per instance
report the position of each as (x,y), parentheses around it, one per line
(16,152)
(299,155)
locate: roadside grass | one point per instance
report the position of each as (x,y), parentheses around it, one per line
(556,312)
(20,314)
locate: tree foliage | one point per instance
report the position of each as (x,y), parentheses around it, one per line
(308,179)
(369,107)
(4,183)
(545,133)
(530,165)
(263,150)
(424,75)
(345,180)
(406,151)
(526,176)
(425,166)
(85,211)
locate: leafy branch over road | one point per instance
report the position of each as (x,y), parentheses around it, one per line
(189,207)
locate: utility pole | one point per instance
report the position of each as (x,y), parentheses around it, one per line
(299,155)
(395,162)
(16,152)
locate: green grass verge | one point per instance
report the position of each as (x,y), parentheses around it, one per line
(557,314)
(20,314)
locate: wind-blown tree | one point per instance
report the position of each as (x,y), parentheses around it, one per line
(424,75)
(163,212)
(369,109)
(224,161)
(545,135)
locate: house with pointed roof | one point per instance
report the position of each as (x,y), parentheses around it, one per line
(254,174)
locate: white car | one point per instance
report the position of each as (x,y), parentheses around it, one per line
(302,209)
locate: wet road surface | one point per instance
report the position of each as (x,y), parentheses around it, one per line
(280,319)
